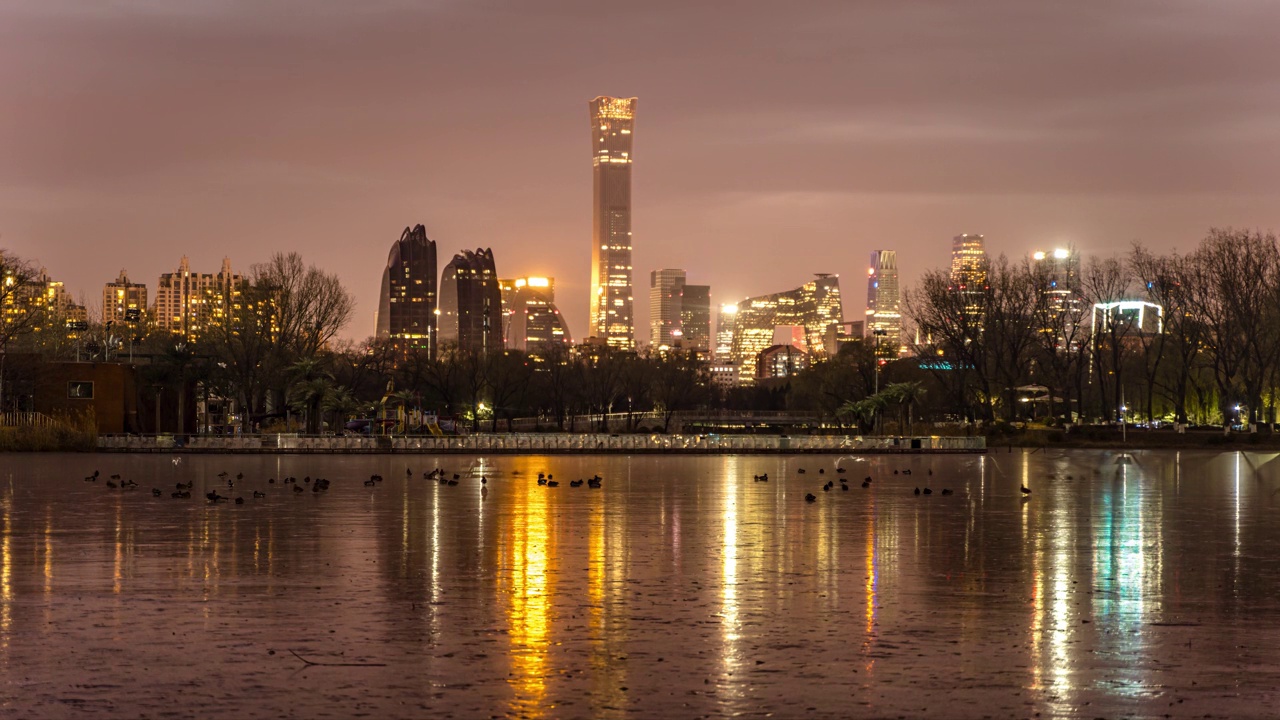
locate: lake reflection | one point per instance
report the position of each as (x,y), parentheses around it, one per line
(1126,584)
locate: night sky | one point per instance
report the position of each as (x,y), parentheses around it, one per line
(773,140)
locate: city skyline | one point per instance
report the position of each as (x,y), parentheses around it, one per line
(809,159)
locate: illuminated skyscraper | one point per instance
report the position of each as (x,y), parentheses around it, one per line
(969,271)
(121,296)
(695,317)
(188,303)
(1060,275)
(814,306)
(968,261)
(724,331)
(471,303)
(407,303)
(611,319)
(531,321)
(666,288)
(884,310)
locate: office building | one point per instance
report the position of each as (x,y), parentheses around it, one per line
(724,332)
(407,301)
(611,318)
(666,288)
(695,318)
(1059,272)
(884,311)
(814,306)
(471,302)
(531,320)
(124,302)
(189,303)
(968,261)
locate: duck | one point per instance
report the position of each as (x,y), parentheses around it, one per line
(542,481)
(810,497)
(271,481)
(128,484)
(930,471)
(111,485)
(239,501)
(214,496)
(116,476)
(927,491)
(843,486)
(369,483)
(821,470)
(575,483)
(223,474)
(550,483)
(444,480)
(375,477)
(155,492)
(259,494)
(801,471)
(408,472)
(917,491)
(866,484)
(841,470)
(593,483)
(93,477)
(296,488)
(453,482)
(826,488)
(484,480)
(239,476)
(947,491)
(180,494)
(1025,490)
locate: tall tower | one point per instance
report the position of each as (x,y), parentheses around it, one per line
(968,261)
(666,290)
(611,319)
(407,302)
(884,311)
(471,303)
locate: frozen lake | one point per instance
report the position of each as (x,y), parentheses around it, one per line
(680,588)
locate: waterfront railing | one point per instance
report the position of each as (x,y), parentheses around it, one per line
(523,443)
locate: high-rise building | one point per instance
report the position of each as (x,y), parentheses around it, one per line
(471,302)
(814,306)
(531,320)
(884,310)
(611,319)
(38,303)
(665,290)
(407,302)
(695,317)
(968,261)
(724,331)
(189,303)
(1060,275)
(121,297)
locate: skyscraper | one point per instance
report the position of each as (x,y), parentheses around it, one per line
(1060,276)
(724,331)
(121,296)
(407,303)
(695,317)
(188,303)
(611,319)
(968,261)
(969,272)
(532,322)
(884,310)
(814,306)
(471,302)
(665,290)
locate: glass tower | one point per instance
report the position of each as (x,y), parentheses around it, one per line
(611,317)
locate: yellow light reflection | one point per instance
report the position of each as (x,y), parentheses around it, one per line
(529,611)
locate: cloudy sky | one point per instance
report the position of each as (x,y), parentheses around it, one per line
(773,139)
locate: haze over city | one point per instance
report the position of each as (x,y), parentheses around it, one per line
(771,143)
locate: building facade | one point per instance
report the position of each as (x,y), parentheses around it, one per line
(884,304)
(1059,271)
(407,301)
(612,301)
(814,306)
(666,288)
(695,318)
(124,302)
(531,320)
(188,303)
(471,302)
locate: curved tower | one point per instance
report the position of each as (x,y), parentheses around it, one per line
(407,303)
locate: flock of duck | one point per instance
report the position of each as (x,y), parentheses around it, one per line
(320,485)
(183,490)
